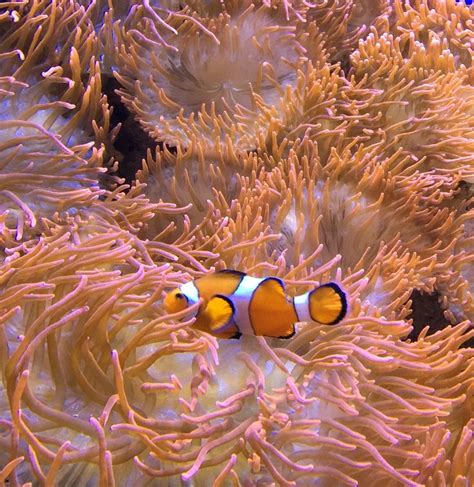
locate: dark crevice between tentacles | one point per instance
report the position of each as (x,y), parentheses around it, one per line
(426,311)
(132,142)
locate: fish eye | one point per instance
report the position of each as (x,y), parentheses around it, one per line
(175,301)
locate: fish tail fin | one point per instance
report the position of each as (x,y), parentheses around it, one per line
(328,304)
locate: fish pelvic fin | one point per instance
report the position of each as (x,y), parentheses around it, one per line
(291,333)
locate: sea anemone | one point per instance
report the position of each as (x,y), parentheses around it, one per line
(456,285)
(322,107)
(344,22)
(417,90)
(52,123)
(349,206)
(196,86)
(446,23)
(193,177)
(148,396)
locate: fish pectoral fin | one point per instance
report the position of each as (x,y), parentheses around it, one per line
(219,311)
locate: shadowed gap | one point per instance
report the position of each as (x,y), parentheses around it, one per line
(132,141)
(426,311)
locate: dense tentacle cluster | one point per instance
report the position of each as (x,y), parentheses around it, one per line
(316,141)
(446,23)
(421,106)
(297,204)
(141,387)
(198,86)
(344,22)
(54,119)
(457,283)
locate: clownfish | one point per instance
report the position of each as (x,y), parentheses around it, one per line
(235,304)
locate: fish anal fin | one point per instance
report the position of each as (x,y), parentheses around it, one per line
(230,333)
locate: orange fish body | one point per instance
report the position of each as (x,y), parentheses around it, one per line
(235,304)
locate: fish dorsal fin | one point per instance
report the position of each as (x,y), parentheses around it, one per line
(327,304)
(221,282)
(271,314)
(219,311)
(274,286)
(231,271)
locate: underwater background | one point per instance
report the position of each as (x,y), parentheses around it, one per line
(144,144)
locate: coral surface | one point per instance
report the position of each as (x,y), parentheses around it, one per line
(146,143)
